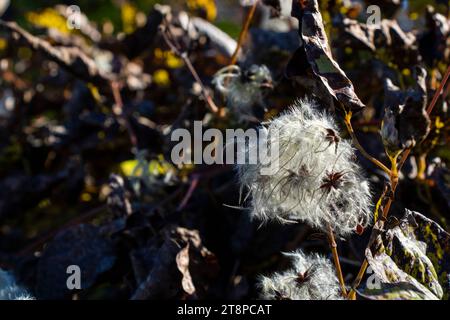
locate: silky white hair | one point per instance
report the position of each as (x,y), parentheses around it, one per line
(10,290)
(310,154)
(311,277)
(241,95)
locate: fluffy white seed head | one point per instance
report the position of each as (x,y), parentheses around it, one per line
(316,181)
(311,277)
(9,290)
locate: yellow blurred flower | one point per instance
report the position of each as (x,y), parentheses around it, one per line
(127,168)
(48,18)
(208,6)
(168,58)
(86,197)
(94,92)
(438,123)
(161,78)
(414,16)
(156,167)
(24,53)
(159,54)
(160,166)
(172,61)
(128,12)
(3,44)
(406,72)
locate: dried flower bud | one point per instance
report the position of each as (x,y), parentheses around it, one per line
(9,290)
(243,89)
(389,133)
(405,122)
(317,180)
(311,277)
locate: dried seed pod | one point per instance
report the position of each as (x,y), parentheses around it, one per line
(243,89)
(406,122)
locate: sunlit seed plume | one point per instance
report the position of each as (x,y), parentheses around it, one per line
(10,290)
(310,277)
(317,180)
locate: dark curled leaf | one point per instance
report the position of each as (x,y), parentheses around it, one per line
(357,34)
(162,278)
(390,34)
(180,264)
(72,59)
(414,120)
(416,251)
(393,95)
(183,266)
(406,122)
(385,38)
(434,43)
(82,246)
(195,262)
(317,53)
(402,45)
(142,38)
(441,177)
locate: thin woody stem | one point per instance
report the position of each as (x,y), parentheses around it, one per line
(348,124)
(170,41)
(122,118)
(243,32)
(362,271)
(209,101)
(438,92)
(333,247)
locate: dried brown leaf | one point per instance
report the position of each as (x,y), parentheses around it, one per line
(182,260)
(314,56)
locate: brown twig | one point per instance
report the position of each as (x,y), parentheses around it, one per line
(447,92)
(348,124)
(193,185)
(333,247)
(176,49)
(244,31)
(438,92)
(115,87)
